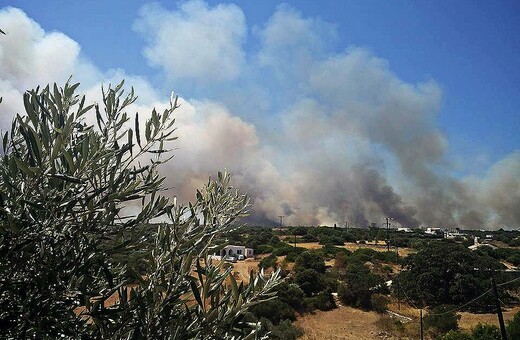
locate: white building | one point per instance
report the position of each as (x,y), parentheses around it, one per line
(477,244)
(433,231)
(455,234)
(232,250)
(405,230)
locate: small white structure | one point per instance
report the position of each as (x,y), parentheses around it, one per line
(455,234)
(433,231)
(235,251)
(477,244)
(405,230)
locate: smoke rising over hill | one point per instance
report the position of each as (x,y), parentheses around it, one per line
(314,134)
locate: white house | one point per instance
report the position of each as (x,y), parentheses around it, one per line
(405,230)
(433,231)
(232,250)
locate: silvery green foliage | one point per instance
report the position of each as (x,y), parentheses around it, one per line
(75,264)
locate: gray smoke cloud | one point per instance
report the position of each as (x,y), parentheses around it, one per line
(313,134)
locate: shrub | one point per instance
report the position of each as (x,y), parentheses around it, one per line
(264,249)
(291,294)
(439,321)
(285,330)
(268,262)
(513,327)
(340,261)
(309,281)
(294,253)
(486,332)
(274,310)
(323,301)
(514,259)
(274,240)
(359,285)
(379,303)
(330,282)
(309,260)
(456,335)
(334,240)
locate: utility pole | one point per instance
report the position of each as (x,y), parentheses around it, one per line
(398,296)
(422,335)
(499,311)
(281,220)
(388,233)
(346,225)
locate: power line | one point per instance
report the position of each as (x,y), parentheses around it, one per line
(406,295)
(462,306)
(508,282)
(459,307)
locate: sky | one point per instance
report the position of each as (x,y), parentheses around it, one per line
(325,112)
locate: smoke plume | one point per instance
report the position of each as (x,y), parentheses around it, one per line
(318,135)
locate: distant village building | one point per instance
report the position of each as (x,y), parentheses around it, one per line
(476,244)
(235,251)
(433,231)
(455,234)
(405,230)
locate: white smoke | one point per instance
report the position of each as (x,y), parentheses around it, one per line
(336,135)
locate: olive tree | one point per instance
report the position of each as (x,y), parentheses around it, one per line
(77,262)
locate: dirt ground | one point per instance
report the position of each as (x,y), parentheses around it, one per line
(340,323)
(355,246)
(241,269)
(469,321)
(350,323)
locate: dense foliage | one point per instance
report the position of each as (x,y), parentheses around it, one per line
(80,257)
(448,273)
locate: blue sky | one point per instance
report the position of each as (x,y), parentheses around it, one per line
(471,48)
(453,64)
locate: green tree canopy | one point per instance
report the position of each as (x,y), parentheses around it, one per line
(448,273)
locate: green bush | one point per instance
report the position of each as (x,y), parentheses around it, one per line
(293,254)
(456,335)
(334,240)
(310,260)
(486,332)
(379,303)
(358,286)
(285,330)
(309,281)
(440,320)
(513,327)
(340,261)
(264,249)
(268,262)
(514,259)
(330,282)
(323,301)
(274,310)
(291,294)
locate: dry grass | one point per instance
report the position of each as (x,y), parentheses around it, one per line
(350,323)
(469,320)
(354,246)
(241,269)
(340,323)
